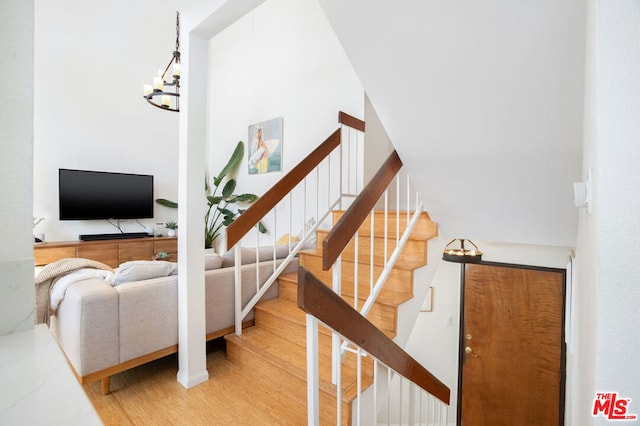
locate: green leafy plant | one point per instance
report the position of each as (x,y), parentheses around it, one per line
(171,225)
(223,205)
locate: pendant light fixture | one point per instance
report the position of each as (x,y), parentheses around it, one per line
(165,91)
(461,254)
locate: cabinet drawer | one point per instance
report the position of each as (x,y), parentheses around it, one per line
(168,246)
(45,256)
(142,250)
(105,253)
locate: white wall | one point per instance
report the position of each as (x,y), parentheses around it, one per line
(378,146)
(483,102)
(16,139)
(91,60)
(581,350)
(280,60)
(615,154)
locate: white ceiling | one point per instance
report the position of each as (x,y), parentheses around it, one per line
(484,103)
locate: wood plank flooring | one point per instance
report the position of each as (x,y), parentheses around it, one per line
(150,395)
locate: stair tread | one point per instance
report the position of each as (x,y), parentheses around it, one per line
(413,255)
(400,280)
(292,358)
(425,228)
(408,265)
(387,296)
(289,276)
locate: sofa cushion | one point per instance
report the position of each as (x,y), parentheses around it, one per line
(138,270)
(249,255)
(212,261)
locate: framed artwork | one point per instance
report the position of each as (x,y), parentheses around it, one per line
(265,146)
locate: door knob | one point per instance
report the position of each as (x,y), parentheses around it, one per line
(469,351)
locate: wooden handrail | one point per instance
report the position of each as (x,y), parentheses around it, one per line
(272,197)
(317,299)
(341,233)
(351,121)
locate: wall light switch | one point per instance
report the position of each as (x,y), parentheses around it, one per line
(582,193)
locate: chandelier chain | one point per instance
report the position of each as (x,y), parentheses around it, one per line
(177,31)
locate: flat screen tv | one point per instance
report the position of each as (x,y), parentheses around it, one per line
(86,194)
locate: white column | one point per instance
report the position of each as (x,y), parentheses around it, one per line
(16,172)
(192,361)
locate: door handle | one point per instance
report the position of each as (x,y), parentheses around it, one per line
(469,351)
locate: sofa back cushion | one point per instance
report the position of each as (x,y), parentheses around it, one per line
(249,255)
(138,270)
(212,261)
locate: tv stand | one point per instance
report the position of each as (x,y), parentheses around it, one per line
(118,236)
(111,252)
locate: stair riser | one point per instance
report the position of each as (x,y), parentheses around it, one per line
(349,369)
(288,290)
(414,253)
(424,228)
(400,280)
(286,382)
(296,333)
(291,330)
(382,316)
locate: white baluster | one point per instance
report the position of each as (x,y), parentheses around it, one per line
(313,381)
(386,225)
(335,338)
(238,287)
(359,385)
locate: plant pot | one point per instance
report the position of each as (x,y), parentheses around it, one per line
(171,232)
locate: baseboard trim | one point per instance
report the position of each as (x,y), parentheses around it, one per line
(193,380)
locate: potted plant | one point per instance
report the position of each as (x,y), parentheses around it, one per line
(223,206)
(171,226)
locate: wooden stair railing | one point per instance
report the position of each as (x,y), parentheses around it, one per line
(342,232)
(350,121)
(247,220)
(318,300)
(273,196)
(266,206)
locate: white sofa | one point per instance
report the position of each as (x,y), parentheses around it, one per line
(105,329)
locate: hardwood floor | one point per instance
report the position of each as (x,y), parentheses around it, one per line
(150,395)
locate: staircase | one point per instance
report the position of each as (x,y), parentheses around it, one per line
(275,347)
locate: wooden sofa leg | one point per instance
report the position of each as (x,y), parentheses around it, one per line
(106,385)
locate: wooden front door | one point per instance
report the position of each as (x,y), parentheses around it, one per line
(512,346)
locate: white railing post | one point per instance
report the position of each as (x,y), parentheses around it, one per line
(359,386)
(238,288)
(313,381)
(335,338)
(356,256)
(375,390)
(412,407)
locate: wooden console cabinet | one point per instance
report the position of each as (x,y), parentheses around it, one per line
(110,252)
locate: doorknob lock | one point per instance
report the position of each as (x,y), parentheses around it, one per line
(469,351)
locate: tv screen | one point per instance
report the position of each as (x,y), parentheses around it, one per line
(88,194)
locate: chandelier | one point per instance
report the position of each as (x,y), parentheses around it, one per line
(462,254)
(165,91)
